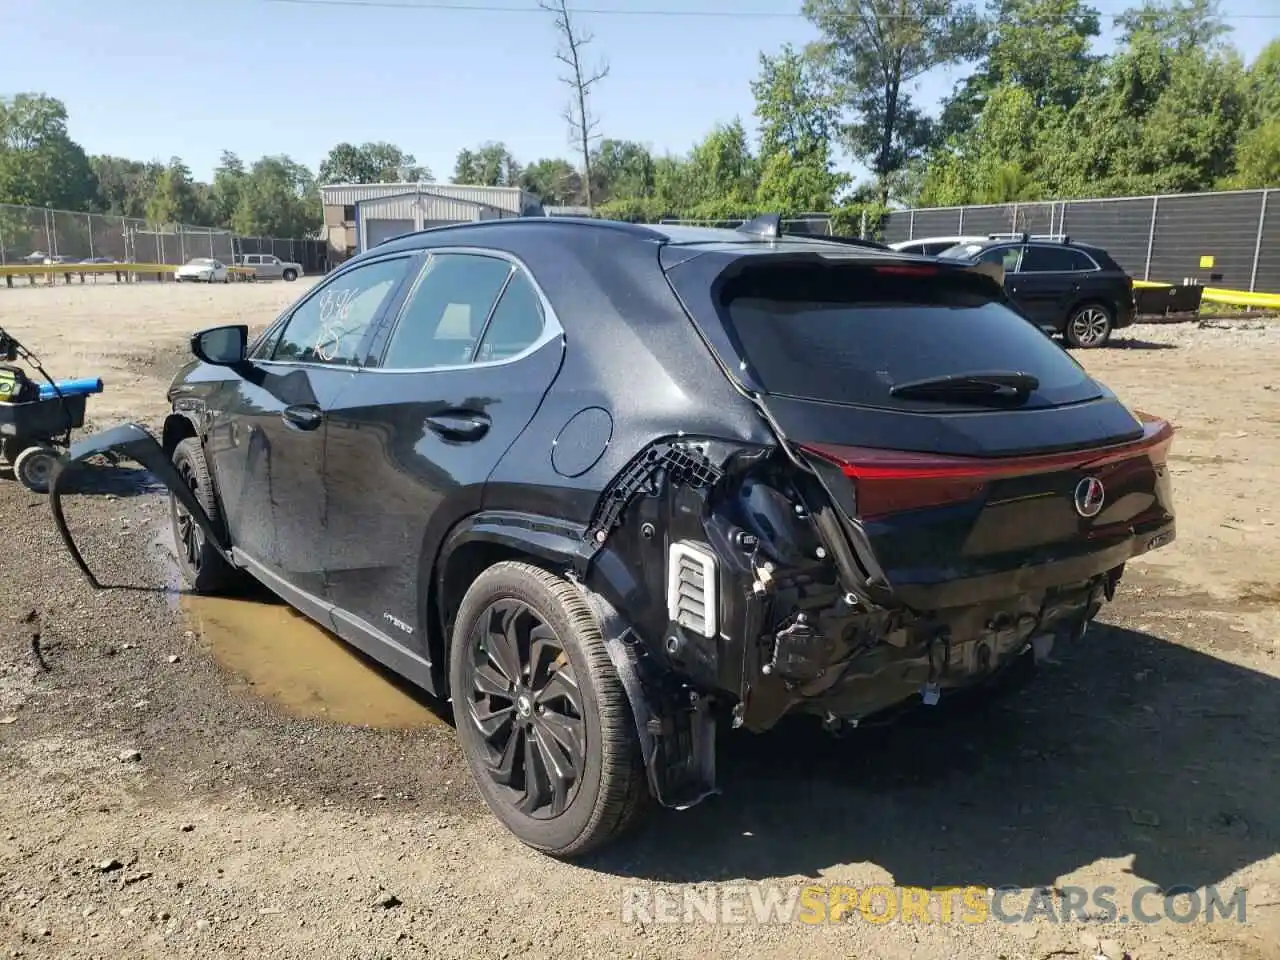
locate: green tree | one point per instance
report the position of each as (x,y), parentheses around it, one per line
(40,165)
(674,189)
(622,169)
(278,198)
(374,162)
(789,184)
(1041,45)
(1258,157)
(1263,82)
(874,51)
(795,108)
(721,168)
(996,161)
(1164,120)
(1181,24)
(796,115)
(224,194)
(552,179)
(124,186)
(173,198)
(489,165)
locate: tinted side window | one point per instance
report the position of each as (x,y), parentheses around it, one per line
(1082,261)
(329,325)
(1047,260)
(516,322)
(445,315)
(1005,256)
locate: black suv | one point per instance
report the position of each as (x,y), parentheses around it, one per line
(609,486)
(1072,289)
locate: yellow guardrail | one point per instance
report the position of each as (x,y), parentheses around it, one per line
(1229,298)
(68,270)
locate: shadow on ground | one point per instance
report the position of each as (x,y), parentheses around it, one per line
(1131,747)
(1133,343)
(100,477)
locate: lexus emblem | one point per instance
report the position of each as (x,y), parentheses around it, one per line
(1090,493)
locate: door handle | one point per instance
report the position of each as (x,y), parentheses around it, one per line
(303,416)
(458,425)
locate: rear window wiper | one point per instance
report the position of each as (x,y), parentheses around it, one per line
(994,385)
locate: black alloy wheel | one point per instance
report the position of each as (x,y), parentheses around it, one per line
(542,716)
(523,697)
(203,567)
(190,536)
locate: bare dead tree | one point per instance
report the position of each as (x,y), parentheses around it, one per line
(582,125)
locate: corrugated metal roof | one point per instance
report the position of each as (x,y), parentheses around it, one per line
(426,206)
(512,199)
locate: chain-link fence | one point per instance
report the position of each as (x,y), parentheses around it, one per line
(36,234)
(1228,239)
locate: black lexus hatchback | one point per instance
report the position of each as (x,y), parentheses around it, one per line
(609,486)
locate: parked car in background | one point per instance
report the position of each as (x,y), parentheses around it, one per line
(203,269)
(1074,290)
(609,487)
(268,267)
(932,246)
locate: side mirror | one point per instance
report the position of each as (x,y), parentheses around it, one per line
(221,346)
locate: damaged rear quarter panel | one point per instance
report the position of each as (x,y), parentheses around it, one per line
(633,353)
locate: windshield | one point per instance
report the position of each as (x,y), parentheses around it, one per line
(200,262)
(851,334)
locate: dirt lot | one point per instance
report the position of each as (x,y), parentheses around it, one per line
(182,778)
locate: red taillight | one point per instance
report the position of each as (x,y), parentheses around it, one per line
(890,481)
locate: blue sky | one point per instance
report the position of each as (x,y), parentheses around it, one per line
(149,79)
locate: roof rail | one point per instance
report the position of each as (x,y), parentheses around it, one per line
(1024,236)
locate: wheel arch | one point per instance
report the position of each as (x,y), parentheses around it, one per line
(477,542)
(178,426)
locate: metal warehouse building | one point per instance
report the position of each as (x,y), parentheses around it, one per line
(360,216)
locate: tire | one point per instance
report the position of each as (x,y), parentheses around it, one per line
(33,467)
(610,790)
(1089,326)
(202,566)
(290,275)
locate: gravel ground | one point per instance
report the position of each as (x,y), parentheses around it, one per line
(181,779)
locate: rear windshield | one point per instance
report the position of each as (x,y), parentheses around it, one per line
(849,334)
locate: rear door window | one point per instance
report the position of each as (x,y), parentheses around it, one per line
(847,335)
(445,316)
(1007,257)
(1038,259)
